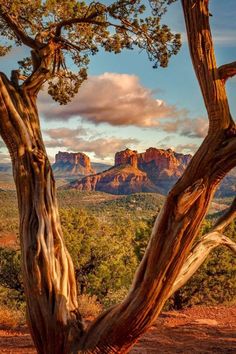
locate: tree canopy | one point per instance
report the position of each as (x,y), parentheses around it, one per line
(75,30)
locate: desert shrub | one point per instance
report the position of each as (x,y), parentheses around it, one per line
(10,269)
(214,282)
(115,297)
(89,306)
(103,254)
(106,251)
(11,317)
(11,285)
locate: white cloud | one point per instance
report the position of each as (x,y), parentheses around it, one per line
(71,140)
(116,99)
(193,128)
(186,148)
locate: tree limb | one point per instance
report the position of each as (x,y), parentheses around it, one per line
(73,21)
(43,68)
(204,246)
(200,41)
(19,32)
(198,255)
(227,71)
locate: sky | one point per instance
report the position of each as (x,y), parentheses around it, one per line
(125,103)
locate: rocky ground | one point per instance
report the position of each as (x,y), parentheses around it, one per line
(197,330)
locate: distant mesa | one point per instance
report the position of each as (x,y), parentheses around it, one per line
(72,164)
(155,170)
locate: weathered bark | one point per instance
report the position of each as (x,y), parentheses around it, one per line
(49,279)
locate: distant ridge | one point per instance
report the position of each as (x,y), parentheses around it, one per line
(154,170)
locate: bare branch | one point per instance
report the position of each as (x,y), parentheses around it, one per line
(19,32)
(205,245)
(227,71)
(198,255)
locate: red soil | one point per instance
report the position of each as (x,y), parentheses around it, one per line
(201,330)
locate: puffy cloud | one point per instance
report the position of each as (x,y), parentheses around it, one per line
(186,148)
(169,142)
(193,128)
(116,99)
(60,133)
(101,147)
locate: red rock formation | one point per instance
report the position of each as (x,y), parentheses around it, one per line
(159,163)
(151,171)
(162,159)
(126,156)
(72,164)
(122,179)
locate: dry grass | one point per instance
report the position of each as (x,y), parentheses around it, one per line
(11,318)
(89,306)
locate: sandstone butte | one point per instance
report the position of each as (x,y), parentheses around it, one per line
(72,164)
(154,170)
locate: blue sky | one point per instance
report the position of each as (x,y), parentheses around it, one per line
(126,103)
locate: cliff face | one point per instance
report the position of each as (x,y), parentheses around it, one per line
(72,164)
(155,170)
(166,162)
(122,179)
(163,167)
(127,156)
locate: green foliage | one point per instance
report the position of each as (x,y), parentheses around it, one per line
(107,236)
(10,269)
(11,285)
(79,30)
(214,282)
(103,255)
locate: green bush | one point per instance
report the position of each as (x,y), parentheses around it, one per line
(103,254)
(107,246)
(214,282)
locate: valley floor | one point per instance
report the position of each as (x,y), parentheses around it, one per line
(201,330)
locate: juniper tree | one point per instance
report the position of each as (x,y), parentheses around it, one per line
(55,31)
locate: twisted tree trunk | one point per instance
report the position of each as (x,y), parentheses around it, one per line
(49,279)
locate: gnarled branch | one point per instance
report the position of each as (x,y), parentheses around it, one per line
(226,71)
(72,21)
(43,69)
(18,31)
(204,246)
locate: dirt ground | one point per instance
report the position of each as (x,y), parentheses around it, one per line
(199,330)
